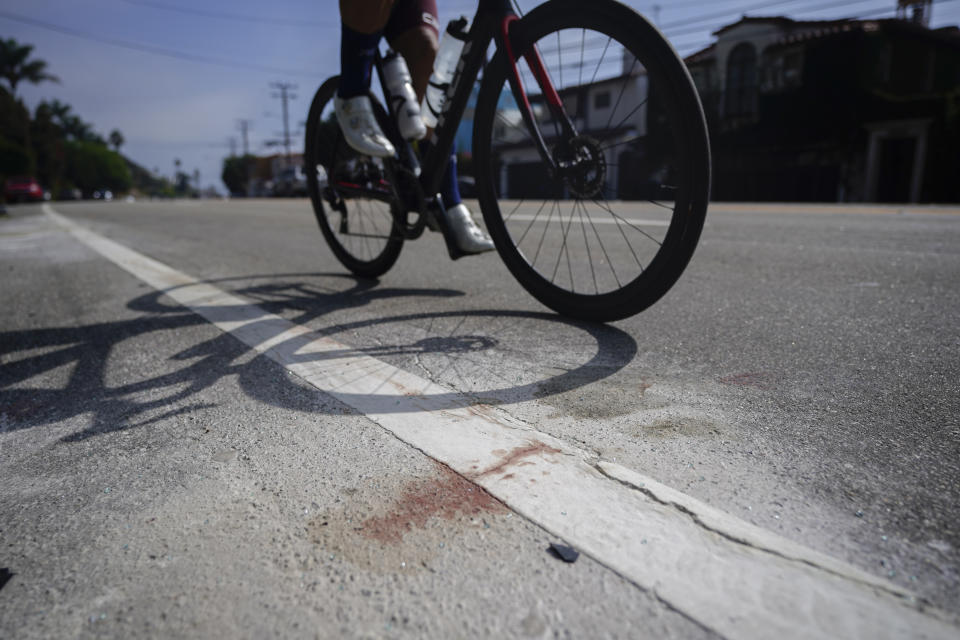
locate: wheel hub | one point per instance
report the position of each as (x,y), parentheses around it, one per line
(582,166)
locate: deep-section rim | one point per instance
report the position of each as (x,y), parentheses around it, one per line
(632,30)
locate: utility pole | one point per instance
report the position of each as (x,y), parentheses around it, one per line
(285,95)
(244,126)
(656,14)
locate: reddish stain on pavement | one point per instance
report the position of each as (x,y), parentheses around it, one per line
(757,380)
(515,457)
(447,497)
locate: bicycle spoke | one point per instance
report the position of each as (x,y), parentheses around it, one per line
(562,247)
(567,250)
(620,144)
(616,185)
(622,90)
(514,125)
(542,237)
(602,247)
(630,115)
(511,214)
(559,60)
(586,243)
(665,206)
(600,63)
(530,226)
(606,207)
(583,37)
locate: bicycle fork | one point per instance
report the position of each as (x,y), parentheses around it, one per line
(551,96)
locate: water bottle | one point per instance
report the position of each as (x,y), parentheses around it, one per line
(399,85)
(444,66)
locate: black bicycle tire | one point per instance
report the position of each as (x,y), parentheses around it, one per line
(629,28)
(380,264)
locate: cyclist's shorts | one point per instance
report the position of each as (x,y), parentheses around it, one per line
(410,14)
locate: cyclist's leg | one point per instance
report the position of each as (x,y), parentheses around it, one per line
(413,31)
(362,24)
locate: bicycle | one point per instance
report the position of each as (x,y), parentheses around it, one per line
(600,218)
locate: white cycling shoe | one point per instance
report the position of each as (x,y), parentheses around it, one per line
(403,98)
(469,237)
(360,128)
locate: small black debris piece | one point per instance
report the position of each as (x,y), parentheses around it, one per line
(563,552)
(5,575)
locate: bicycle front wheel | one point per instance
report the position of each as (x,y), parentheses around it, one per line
(352,194)
(607,231)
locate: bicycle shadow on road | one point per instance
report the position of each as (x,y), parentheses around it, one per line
(87,350)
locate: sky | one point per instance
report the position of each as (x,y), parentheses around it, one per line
(176,77)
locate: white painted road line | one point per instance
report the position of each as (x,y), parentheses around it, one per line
(525,217)
(728,575)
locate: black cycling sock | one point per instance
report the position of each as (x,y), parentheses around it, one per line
(449,188)
(357,51)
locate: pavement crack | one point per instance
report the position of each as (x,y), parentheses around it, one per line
(420,365)
(910,599)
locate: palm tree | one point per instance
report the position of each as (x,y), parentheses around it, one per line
(117,140)
(15,65)
(59,111)
(77,129)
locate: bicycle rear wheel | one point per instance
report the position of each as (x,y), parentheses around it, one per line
(352,195)
(608,233)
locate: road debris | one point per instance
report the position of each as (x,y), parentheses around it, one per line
(563,552)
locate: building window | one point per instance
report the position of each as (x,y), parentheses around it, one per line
(741,90)
(601,100)
(780,70)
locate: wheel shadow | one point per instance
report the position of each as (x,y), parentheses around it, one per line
(87,352)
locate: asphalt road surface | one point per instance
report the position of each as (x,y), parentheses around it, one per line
(185,449)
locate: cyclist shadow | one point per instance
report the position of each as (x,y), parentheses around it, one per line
(118,406)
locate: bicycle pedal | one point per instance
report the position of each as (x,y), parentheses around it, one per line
(432,222)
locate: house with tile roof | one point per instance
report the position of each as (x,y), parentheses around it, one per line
(834,111)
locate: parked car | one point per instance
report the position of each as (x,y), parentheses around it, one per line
(291,182)
(23,190)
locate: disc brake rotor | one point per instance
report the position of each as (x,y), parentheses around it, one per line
(582,166)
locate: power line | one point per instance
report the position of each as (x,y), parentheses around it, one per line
(160,51)
(723,14)
(695,44)
(878,12)
(231,16)
(667,29)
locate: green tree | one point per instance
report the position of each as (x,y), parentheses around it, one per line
(236,173)
(49,146)
(59,112)
(92,166)
(16,157)
(16,65)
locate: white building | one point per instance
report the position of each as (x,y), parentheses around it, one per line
(611,110)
